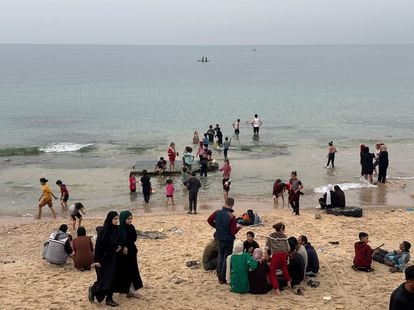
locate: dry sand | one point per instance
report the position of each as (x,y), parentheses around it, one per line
(28,282)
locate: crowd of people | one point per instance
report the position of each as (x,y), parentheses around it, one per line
(246,267)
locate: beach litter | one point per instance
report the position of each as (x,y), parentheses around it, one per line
(327,298)
(151,235)
(409,209)
(192,264)
(177,280)
(176,230)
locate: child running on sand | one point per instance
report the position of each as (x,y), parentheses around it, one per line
(45,199)
(64,194)
(75,211)
(169,192)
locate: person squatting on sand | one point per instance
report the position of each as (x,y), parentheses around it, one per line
(210,254)
(45,198)
(107,249)
(258,278)
(226,227)
(127,279)
(57,249)
(82,250)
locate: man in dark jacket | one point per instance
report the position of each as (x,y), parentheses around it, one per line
(226,227)
(193,184)
(313,261)
(403,297)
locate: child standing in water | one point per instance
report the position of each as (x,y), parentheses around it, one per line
(169,192)
(226,178)
(64,194)
(132,184)
(171,156)
(45,198)
(226,146)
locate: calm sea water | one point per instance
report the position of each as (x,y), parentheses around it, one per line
(86,114)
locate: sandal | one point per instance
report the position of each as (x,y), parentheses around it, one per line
(298,291)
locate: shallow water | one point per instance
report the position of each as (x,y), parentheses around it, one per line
(86,114)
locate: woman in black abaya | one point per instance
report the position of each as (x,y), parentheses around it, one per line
(127,275)
(108,246)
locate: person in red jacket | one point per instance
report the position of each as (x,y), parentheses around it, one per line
(363,254)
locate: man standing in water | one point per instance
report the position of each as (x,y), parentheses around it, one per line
(226,227)
(256,123)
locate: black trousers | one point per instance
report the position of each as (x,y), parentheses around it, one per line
(192,202)
(331,159)
(382,174)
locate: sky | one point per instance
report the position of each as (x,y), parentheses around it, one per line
(207,22)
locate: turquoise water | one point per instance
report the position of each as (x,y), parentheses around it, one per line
(86,114)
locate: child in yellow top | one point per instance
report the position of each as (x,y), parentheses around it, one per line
(46,198)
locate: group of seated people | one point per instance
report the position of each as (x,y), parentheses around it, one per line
(283,262)
(364,255)
(332,198)
(61,245)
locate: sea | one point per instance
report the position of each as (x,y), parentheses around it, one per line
(86,114)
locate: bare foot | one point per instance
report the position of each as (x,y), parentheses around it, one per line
(278,292)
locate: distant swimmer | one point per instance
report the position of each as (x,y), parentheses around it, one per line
(331,154)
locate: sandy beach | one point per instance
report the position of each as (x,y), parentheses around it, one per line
(28,282)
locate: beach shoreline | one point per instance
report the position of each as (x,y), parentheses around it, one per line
(36,284)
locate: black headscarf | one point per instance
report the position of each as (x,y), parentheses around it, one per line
(107,226)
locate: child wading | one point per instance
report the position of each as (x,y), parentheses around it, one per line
(45,198)
(169,192)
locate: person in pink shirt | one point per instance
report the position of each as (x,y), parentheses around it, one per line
(132,183)
(171,155)
(169,192)
(201,150)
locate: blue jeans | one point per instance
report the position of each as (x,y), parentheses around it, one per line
(225,248)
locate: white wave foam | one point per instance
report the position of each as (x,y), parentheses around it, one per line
(63,147)
(346,186)
(400,178)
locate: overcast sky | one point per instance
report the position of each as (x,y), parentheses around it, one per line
(207,21)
